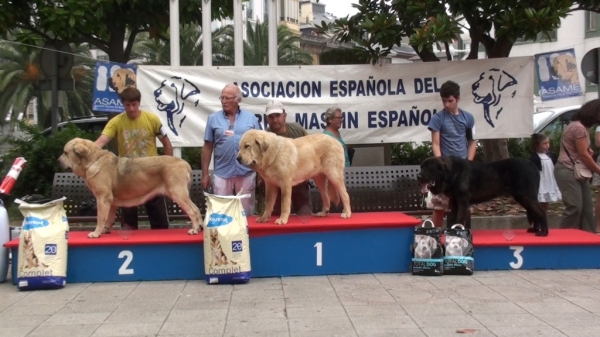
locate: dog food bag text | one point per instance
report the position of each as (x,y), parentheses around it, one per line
(458,251)
(428,255)
(226,240)
(42,261)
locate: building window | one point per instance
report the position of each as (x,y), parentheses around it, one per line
(551,36)
(591,26)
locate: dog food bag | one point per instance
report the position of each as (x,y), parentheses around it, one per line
(428,256)
(42,262)
(226,240)
(458,251)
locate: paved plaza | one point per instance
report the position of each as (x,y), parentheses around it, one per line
(501,303)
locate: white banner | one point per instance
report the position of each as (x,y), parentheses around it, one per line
(381,104)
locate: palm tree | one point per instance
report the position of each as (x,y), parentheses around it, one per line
(20,74)
(157,52)
(256,46)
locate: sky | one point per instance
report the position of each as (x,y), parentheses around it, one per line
(339,8)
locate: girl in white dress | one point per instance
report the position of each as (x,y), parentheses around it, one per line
(548,192)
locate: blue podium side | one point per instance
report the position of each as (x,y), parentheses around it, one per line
(326,253)
(561,249)
(537,257)
(331,245)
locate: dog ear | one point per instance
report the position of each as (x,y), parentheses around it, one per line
(505,80)
(129,80)
(188,89)
(263,146)
(433,244)
(465,243)
(446,167)
(81,150)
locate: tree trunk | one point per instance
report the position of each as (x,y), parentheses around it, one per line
(116,44)
(425,55)
(494,149)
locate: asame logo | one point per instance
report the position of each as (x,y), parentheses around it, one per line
(216,220)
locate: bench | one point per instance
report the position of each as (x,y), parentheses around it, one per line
(371,189)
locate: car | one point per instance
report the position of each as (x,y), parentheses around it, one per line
(553,121)
(94,123)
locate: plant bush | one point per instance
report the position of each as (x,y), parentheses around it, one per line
(411,153)
(192,155)
(41,153)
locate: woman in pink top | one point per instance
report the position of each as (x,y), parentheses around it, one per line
(575,145)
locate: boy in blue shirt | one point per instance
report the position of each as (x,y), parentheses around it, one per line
(452,132)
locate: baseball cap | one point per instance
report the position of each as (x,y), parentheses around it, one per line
(274,107)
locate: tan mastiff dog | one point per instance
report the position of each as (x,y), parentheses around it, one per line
(284,162)
(124,182)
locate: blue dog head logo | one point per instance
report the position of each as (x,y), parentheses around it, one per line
(492,85)
(171,96)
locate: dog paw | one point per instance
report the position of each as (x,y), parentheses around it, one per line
(531,230)
(346,215)
(281,221)
(193,231)
(321,214)
(93,235)
(262,219)
(541,233)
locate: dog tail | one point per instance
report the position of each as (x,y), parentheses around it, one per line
(333,194)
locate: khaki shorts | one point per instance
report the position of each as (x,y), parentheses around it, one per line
(440,202)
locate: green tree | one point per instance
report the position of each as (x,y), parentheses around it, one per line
(342,56)
(256,46)
(20,74)
(157,52)
(381,24)
(110,25)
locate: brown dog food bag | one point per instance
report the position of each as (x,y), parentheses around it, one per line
(42,261)
(226,240)
(428,257)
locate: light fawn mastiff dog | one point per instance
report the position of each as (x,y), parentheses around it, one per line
(284,162)
(124,182)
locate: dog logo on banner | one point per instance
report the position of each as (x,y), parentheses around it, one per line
(170,98)
(489,90)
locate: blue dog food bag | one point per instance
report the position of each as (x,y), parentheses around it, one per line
(458,251)
(226,240)
(428,258)
(42,259)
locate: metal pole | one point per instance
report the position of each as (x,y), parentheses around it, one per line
(598,70)
(206,34)
(54,92)
(273,22)
(174,44)
(238,31)
(207,44)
